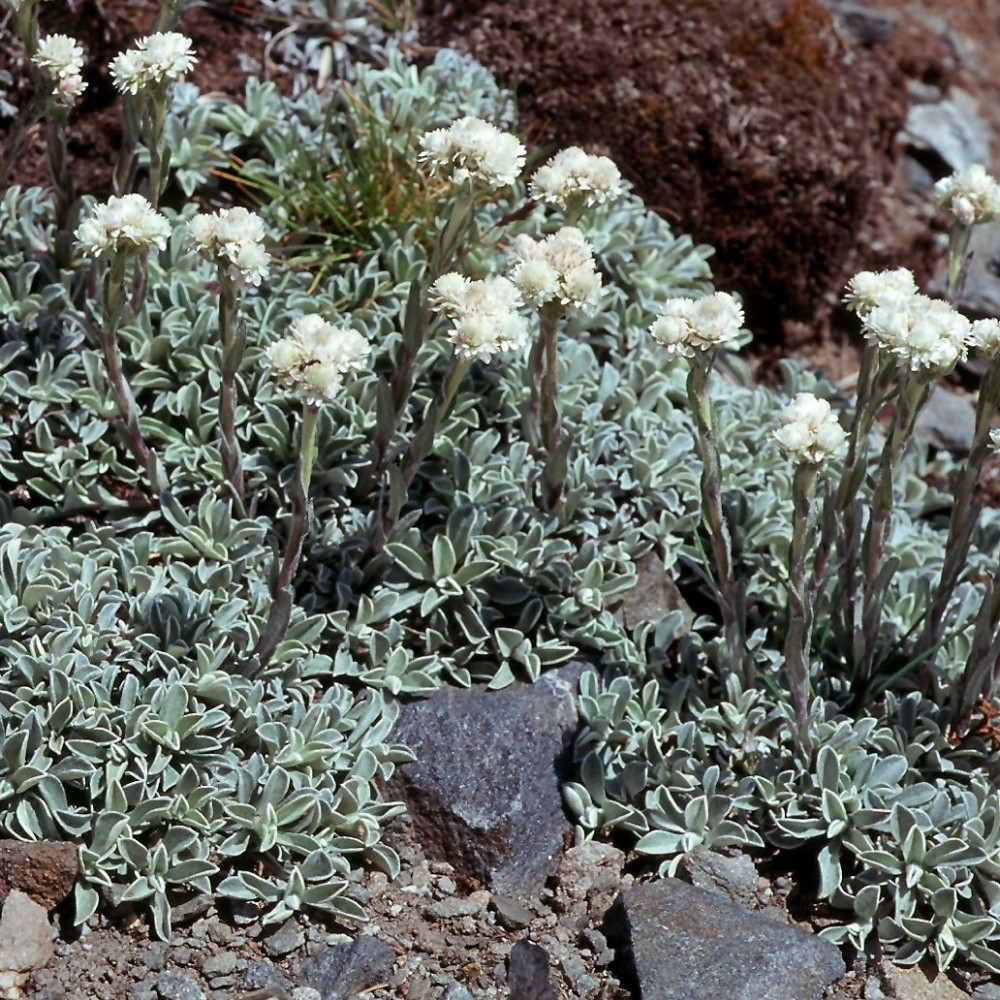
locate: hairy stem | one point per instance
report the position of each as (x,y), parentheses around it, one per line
(233,348)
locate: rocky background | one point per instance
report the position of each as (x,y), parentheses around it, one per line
(801,140)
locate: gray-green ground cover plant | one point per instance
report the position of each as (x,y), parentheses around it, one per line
(268,468)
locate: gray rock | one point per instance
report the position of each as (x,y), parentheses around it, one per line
(510,913)
(979,293)
(684,943)
(191,909)
(154,955)
(529,976)
(734,877)
(951,129)
(222,964)
(987,991)
(454,906)
(178,986)
(947,421)
(145,990)
(25,934)
(263,975)
(455,991)
(867,26)
(340,972)
(484,790)
(306,993)
(285,939)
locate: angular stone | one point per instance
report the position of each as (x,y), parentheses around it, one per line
(592,873)
(734,877)
(25,934)
(529,976)
(178,986)
(484,790)
(341,972)
(263,975)
(684,943)
(952,130)
(285,939)
(44,870)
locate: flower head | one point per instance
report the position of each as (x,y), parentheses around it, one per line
(156,59)
(809,431)
(123,225)
(561,267)
(574,176)
(60,58)
(471,148)
(971,195)
(235,237)
(484,313)
(686,325)
(985,338)
(923,333)
(315,358)
(867,289)
(995,439)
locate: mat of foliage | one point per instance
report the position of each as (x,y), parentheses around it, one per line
(125,727)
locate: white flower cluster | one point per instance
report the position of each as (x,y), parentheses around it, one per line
(685,325)
(155,59)
(995,439)
(60,58)
(923,333)
(574,176)
(235,237)
(809,431)
(985,338)
(473,148)
(561,267)
(485,314)
(123,225)
(970,195)
(316,357)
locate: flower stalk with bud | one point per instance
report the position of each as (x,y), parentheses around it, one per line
(123,230)
(312,362)
(810,435)
(470,156)
(697,329)
(143,76)
(233,240)
(558,277)
(485,321)
(970,197)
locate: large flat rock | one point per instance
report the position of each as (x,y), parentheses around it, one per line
(686,943)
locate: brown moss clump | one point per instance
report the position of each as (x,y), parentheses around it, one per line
(755,127)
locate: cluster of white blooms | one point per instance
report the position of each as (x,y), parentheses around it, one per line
(316,356)
(970,195)
(868,289)
(155,59)
(809,431)
(923,333)
(473,148)
(573,175)
(123,225)
(995,439)
(985,338)
(61,59)
(561,267)
(484,313)
(685,325)
(235,237)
